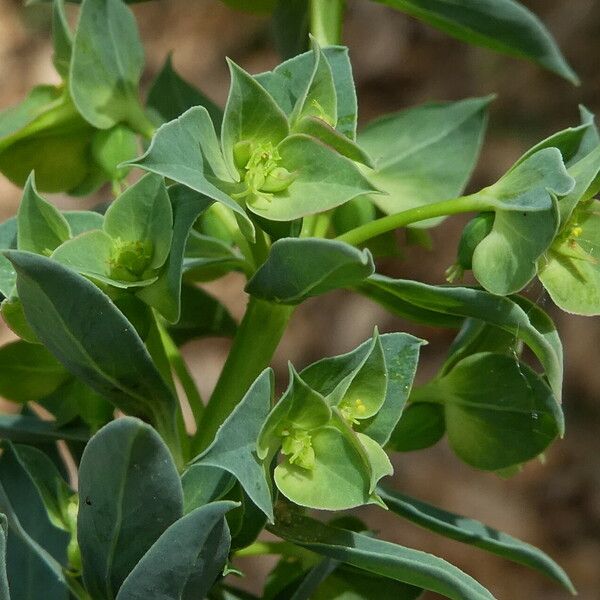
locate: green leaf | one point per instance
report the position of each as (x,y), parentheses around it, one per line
(4,591)
(28,372)
(317,128)
(505,26)
(330,376)
(322,179)
(130,494)
(45,134)
(251,116)
(111,147)
(207,258)
(337,480)
(382,558)
(203,484)
(351,584)
(475,533)
(91,337)
(143,213)
(14,316)
(62,39)
(234,446)
(525,222)
(104,77)
(202,315)
(290,27)
(81,221)
(95,255)
(165,293)
(421,425)
(319,98)
(31,430)
(298,268)
(425,154)
(185,561)
(570,271)
(186,150)
(287,82)
(75,400)
(300,408)
(41,227)
(170,96)
(499,413)
(36,548)
(51,487)
(466,302)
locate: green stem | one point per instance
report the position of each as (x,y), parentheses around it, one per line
(326,18)
(183,374)
(370,230)
(280,548)
(253,347)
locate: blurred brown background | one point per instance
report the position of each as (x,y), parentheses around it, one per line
(399,62)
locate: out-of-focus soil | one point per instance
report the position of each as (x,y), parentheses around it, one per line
(399,62)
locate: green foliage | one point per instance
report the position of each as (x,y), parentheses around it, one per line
(103,301)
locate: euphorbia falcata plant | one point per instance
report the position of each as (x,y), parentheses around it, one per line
(279,186)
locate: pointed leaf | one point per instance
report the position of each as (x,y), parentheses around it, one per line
(91,337)
(466,302)
(287,82)
(41,227)
(36,548)
(28,372)
(502,25)
(104,77)
(382,558)
(203,484)
(61,38)
(186,150)
(251,115)
(165,293)
(143,214)
(130,494)
(425,154)
(475,533)
(234,446)
(319,97)
(298,268)
(185,561)
(170,96)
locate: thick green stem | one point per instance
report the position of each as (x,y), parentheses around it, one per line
(370,230)
(326,17)
(253,347)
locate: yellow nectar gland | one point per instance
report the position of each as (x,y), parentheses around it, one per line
(353,410)
(259,166)
(297,446)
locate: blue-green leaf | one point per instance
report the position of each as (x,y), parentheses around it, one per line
(106,66)
(185,561)
(298,268)
(424,154)
(475,533)
(502,25)
(234,446)
(381,558)
(130,494)
(86,332)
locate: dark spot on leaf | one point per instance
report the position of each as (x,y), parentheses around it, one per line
(88,501)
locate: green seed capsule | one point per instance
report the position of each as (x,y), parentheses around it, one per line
(242,153)
(278,180)
(474,232)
